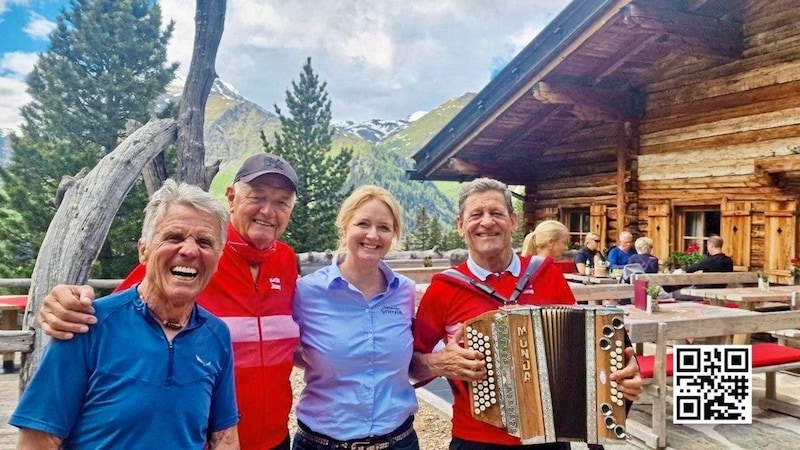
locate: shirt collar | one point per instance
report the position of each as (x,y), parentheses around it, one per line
(514,267)
(335,274)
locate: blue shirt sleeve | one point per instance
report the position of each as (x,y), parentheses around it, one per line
(224,413)
(616,258)
(53,399)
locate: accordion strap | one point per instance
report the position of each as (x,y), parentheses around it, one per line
(533,266)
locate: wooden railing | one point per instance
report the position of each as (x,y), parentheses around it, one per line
(26,283)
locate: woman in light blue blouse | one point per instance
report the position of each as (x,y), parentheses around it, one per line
(355,336)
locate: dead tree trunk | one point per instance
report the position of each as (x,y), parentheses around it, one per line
(81,223)
(209,21)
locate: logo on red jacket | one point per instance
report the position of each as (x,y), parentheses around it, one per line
(275,283)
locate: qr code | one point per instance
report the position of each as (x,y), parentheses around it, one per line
(712,384)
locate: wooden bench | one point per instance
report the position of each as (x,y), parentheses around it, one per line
(698,278)
(767,358)
(596,293)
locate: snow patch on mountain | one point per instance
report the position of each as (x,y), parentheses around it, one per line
(374,130)
(413,117)
(174,90)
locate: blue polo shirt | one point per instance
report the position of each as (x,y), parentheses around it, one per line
(357,352)
(124,385)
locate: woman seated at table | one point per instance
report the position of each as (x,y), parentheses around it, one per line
(649,263)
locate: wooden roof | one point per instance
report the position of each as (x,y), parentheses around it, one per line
(587,74)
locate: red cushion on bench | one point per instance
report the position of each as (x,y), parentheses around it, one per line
(770,354)
(19,301)
(727,304)
(647,362)
(566,266)
(767,354)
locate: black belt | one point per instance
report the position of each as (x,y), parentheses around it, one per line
(369,443)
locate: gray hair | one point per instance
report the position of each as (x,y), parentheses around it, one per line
(480,185)
(172,193)
(643,244)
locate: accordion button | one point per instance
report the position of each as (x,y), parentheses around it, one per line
(490,373)
(492,395)
(614,392)
(491,385)
(620,403)
(489,365)
(493,400)
(613,353)
(613,383)
(619,343)
(477,410)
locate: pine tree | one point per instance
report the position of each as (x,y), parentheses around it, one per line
(304,140)
(105,64)
(421,237)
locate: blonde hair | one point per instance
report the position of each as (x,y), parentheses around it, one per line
(591,237)
(542,235)
(643,244)
(360,196)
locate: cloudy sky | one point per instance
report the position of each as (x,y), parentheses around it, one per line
(380,59)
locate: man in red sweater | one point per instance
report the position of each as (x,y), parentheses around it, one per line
(251,292)
(486,221)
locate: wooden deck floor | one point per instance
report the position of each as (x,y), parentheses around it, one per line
(768,431)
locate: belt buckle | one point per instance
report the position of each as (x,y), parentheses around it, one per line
(363,445)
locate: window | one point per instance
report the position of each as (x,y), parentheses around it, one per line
(577,221)
(696,224)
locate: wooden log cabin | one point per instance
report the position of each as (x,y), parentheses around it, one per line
(670,119)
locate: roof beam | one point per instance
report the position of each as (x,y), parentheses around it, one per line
(528,128)
(588,103)
(706,35)
(637,44)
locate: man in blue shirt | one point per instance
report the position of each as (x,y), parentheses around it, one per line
(619,255)
(156,371)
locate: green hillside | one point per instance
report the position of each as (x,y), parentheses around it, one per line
(232,134)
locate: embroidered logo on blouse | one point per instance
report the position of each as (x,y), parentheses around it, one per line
(391,310)
(275,283)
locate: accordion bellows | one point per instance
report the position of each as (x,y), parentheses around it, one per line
(548,372)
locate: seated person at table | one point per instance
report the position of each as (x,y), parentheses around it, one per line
(649,263)
(621,254)
(715,261)
(156,371)
(586,254)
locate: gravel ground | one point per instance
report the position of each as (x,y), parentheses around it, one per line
(432,427)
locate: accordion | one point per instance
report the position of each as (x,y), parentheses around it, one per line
(548,372)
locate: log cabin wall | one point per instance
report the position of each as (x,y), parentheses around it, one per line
(726,137)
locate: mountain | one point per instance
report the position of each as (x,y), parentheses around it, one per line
(374,130)
(382,148)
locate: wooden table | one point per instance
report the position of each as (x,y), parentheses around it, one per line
(642,326)
(595,294)
(589,279)
(745,297)
(678,321)
(10,306)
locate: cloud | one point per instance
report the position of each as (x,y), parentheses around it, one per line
(12,96)
(39,27)
(4,5)
(14,67)
(17,64)
(380,59)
